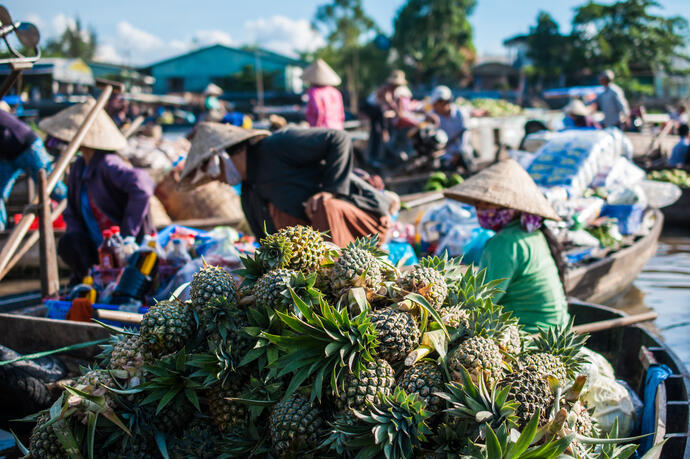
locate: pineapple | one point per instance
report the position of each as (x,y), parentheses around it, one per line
(167,327)
(425,379)
(556,352)
(581,421)
(532,392)
(212,282)
(271,290)
(300,248)
(397,331)
(510,341)
(479,356)
(174,416)
(130,354)
(457,318)
(375,379)
(227,414)
(199,440)
(357,266)
(294,425)
(427,279)
(44,443)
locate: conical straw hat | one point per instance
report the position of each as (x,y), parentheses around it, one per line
(212,138)
(505,184)
(103,134)
(320,74)
(213,90)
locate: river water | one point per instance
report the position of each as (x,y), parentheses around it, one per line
(664,286)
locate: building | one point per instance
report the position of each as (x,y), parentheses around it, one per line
(233,69)
(135,80)
(51,77)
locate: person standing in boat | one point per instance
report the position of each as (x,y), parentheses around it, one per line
(523,252)
(612,102)
(21,150)
(325,104)
(103,190)
(295,176)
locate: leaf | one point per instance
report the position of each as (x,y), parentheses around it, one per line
(526,437)
(91,433)
(424,304)
(23,449)
(160,442)
(493,447)
(438,340)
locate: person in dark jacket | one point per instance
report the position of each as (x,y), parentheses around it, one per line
(293,176)
(21,150)
(103,190)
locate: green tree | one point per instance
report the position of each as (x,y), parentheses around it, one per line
(346,26)
(625,36)
(74,42)
(433,39)
(547,49)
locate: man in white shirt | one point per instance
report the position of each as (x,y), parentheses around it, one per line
(612,102)
(453,122)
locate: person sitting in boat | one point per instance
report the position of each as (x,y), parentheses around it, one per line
(295,176)
(680,155)
(454,122)
(103,190)
(325,103)
(21,150)
(577,116)
(523,252)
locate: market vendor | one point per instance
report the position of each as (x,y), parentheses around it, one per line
(510,203)
(611,102)
(21,150)
(103,190)
(577,116)
(294,176)
(454,122)
(325,103)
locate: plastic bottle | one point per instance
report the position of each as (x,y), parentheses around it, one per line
(118,244)
(106,252)
(178,256)
(129,246)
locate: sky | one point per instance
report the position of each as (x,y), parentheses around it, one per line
(143,31)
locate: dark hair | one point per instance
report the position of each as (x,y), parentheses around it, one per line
(556,250)
(683,130)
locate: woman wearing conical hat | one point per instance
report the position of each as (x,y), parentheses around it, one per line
(103,190)
(325,104)
(510,203)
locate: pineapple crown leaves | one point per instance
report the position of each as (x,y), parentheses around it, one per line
(252,269)
(489,319)
(393,428)
(499,443)
(472,284)
(276,251)
(249,442)
(213,366)
(170,381)
(221,316)
(323,342)
(450,268)
(369,244)
(477,404)
(562,342)
(612,450)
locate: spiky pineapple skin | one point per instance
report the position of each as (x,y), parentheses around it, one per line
(456,317)
(581,421)
(376,377)
(478,355)
(355,267)
(532,392)
(545,364)
(510,341)
(199,440)
(397,332)
(227,414)
(167,326)
(294,425)
(425,379)
(269,289)
(212,282)
(427,282)
(130,353)
(44,443)
(306,248)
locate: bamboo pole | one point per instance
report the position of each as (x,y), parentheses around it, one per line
(615,323)
(50,282)
(27,219)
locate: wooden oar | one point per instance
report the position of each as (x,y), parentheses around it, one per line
(423,200)
(132,317)
(615,323)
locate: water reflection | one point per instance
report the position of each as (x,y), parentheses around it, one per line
(664,286)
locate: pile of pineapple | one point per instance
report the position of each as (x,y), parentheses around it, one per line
(325,352)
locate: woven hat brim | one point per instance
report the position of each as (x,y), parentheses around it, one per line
(505,184)
(103,134)
(212,138)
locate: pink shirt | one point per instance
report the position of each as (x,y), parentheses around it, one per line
(325,107)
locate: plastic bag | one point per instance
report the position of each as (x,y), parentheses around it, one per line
(220,243)
(611,401)
(660,194)
(595,366)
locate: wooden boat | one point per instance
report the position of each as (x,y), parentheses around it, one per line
(678,213)
(597,280)
(27,334)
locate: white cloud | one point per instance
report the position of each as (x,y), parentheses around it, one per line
(138,39)
(212,37)
(284,35)
(61,22)
(108,53)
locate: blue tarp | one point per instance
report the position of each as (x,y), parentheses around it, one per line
(656,374)
(573,91)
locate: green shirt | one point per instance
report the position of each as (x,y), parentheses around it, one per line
(532,289)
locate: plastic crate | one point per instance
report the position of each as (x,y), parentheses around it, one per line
(629,216)
(58,310)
